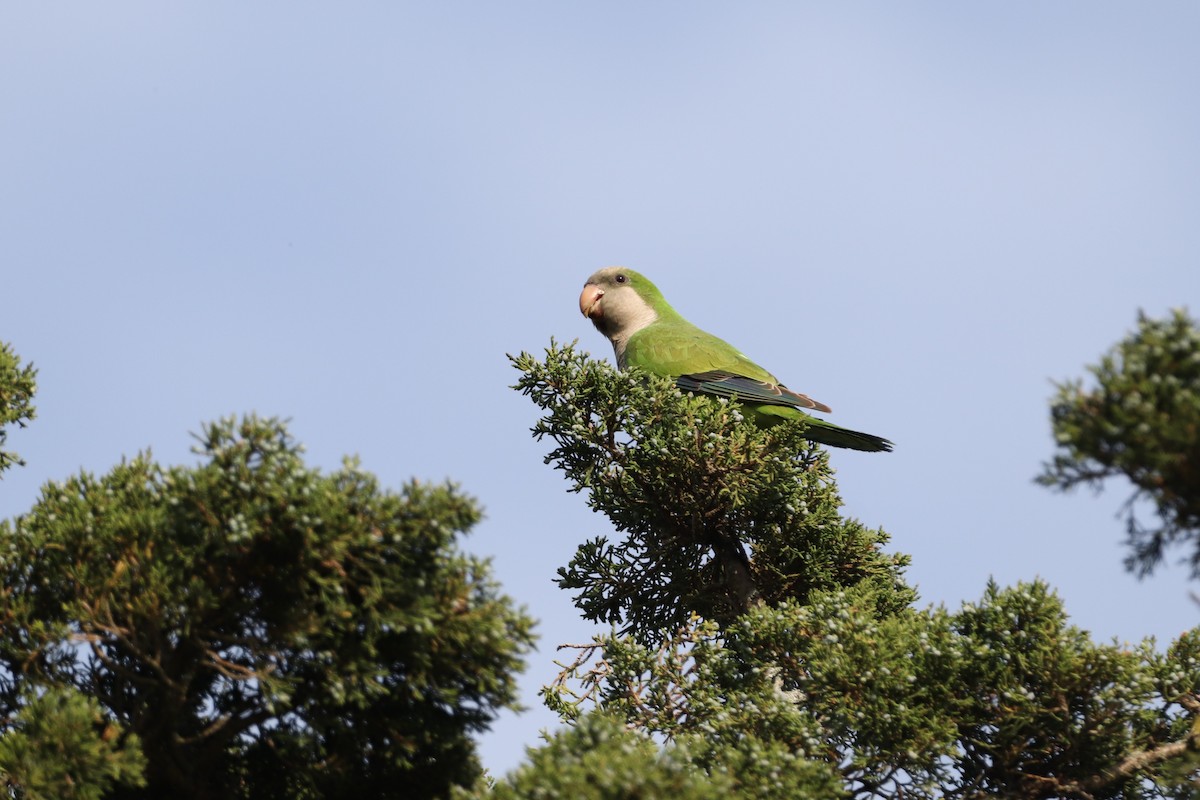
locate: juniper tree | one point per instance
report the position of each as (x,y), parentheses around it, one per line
(1140,419)
(17,386)
(58,744)
(262,628)
(717,514)
(756,632)
(62,746)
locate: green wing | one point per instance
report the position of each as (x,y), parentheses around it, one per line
(700,362)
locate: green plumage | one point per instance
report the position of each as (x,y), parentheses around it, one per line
(648,333)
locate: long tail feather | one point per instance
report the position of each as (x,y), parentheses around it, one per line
(819,430)
(827,433)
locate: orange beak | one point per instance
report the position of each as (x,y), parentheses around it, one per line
(589,301)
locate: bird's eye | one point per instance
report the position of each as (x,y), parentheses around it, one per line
(621,279)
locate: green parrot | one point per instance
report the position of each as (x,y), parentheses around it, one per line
(647,333)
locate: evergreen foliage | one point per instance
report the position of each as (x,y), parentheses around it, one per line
(602,759)
(60,746)
(697,490)
(252,627)
(17,387)
(263,629)
(1141,419)
(813,666)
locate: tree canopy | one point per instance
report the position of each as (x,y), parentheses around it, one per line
(1140,420)
(252,627)
(773,644)
(248,627)
(17,386)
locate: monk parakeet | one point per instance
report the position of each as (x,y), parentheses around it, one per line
(647,333)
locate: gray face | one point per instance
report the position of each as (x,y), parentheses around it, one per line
(615,308)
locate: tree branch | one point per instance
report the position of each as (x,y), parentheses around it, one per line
(735,567)
(1132,764)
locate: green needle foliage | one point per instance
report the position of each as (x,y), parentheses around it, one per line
(811,674)
(1140,420)
(602,759)
(262,628)
(17,387)
(1002,698)
(61,747)
(717,513)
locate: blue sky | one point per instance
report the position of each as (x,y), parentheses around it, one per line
(347,214)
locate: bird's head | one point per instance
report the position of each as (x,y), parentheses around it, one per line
(620,302)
